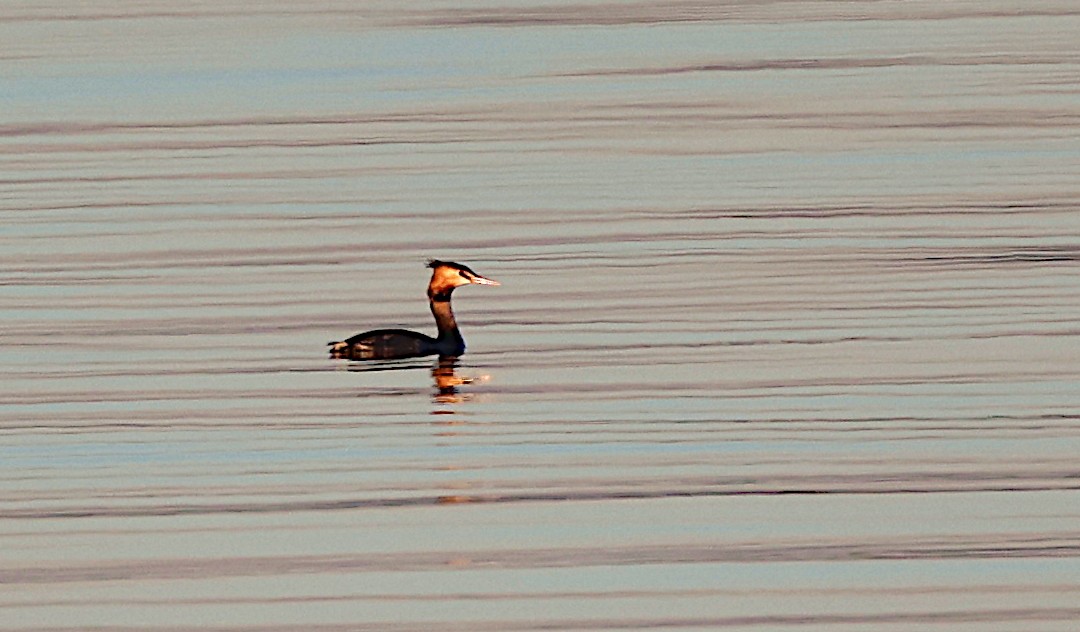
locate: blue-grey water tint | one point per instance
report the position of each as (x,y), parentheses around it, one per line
(787,337)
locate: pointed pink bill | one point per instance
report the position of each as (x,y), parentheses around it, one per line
(479,280)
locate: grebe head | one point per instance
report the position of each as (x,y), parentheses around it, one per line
(447,275)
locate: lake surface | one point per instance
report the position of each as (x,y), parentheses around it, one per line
(787,336)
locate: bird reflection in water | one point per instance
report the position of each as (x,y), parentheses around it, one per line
(446,396)
(447,381)
(444,373)
(448,426)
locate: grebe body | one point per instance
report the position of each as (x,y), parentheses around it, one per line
(386,344)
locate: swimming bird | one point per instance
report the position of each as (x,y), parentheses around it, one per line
(384,344)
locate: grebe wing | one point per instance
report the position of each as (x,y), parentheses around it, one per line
(383,334)
(379,344)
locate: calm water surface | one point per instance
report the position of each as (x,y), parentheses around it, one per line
(787,337)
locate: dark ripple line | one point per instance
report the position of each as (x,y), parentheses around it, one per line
(1003,546)
(196,258)
(95,397)
(231,418)
(160,146)
(835,63)
(690,389)
(553,15)
(761,11)
(101,127)
(545,595)
(765,485)
(1060,254)
(706,389)
(561,496)
(699,622)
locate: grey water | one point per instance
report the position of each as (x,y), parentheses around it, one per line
(787,335)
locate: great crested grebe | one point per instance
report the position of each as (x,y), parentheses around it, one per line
(385,344)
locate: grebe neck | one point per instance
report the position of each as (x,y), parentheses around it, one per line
(444,316)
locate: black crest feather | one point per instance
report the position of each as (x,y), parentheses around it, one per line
(436,263)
